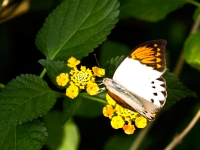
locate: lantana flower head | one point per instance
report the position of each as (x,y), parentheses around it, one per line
(123,117)
(79,79)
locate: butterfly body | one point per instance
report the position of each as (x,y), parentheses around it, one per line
(137,83)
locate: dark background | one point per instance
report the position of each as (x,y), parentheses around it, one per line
(19,55)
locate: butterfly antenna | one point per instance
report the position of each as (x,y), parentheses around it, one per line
(96,60)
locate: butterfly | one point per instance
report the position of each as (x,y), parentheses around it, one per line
(137,83)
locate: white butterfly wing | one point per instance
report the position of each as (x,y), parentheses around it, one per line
(140,73)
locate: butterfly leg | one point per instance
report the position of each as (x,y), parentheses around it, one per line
(101,89)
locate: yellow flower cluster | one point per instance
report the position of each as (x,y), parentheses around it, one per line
(79,79)
(122,117)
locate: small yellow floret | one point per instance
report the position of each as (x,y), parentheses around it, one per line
(129,129)
(108,111)
(117,122)
(83,68)
(100,72)
(141,122)
(72,91)
(62,79)
(110,100)
(73,62)
(92,88)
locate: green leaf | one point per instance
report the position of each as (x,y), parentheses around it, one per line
(112,65)
(71,137)
(52,121)
(175,89)
(23,99)
(55,68)
(149,10)
(70,107)
(110,49)
(28,136)
(191,50)
(76,27)
(61,136)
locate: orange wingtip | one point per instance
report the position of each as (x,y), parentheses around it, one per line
(152,54)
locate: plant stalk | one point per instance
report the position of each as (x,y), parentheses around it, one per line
(179,65)
(43,73)
(85,95)
(178,138)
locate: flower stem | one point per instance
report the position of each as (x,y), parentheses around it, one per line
(43,73)
(141,136)
(194,3)
(179,65)
(60,95)
(2,86)
(178,138)
(85,95)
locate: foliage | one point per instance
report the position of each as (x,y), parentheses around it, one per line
(78,27)
(30,135)
(23,98)
(142,9)
(191,49)
(75,28)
